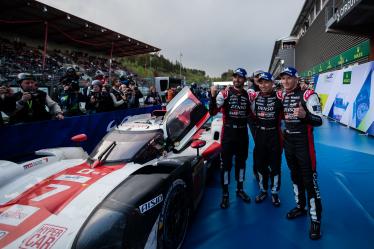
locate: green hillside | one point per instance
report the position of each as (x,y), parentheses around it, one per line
(153,65)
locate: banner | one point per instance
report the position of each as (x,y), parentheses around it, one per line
(347,96)
(21,139)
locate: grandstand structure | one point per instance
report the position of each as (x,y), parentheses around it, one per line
(41,39)
(328,35)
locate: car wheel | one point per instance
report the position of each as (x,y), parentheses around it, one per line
(216,162)
(175,215)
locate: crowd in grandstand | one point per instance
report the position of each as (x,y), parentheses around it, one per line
(78,84)
(17,57)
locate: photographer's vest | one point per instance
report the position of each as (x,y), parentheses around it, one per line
(33,110)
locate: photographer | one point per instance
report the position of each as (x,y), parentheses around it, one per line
(7,102)
(31,102)
(70,98)
(134,95)
(99,100)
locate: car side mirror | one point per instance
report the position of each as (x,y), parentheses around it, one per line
(79,138)
(197,144)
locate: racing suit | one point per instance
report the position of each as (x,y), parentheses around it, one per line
(235,107)
(267,153)
(299,147)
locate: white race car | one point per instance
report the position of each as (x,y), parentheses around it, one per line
(137,189)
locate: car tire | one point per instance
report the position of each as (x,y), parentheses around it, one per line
(175,216)
(216,162)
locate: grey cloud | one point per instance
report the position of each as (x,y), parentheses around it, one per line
(213,35)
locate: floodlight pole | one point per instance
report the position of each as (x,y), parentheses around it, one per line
(180,65)
(110,64)
(45,44)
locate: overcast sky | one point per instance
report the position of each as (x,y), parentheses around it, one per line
(212,35)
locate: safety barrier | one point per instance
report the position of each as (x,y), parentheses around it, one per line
(21,139)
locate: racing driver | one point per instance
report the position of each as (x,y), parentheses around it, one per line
(302,111)
(267,154)
(234,104)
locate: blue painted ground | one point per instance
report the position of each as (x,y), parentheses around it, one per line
(345,164)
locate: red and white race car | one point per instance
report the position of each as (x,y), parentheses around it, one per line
(137,188)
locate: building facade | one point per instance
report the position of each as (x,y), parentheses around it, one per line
(330,35)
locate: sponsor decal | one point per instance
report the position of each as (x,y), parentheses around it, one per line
(43,238)
(136,126)
(48,197)
(73,178)
(347,77)
(35,163)
(150,204)
(16,214)
(344,9)
(3,234)
(111,125)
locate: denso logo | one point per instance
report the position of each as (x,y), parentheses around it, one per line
(151,204)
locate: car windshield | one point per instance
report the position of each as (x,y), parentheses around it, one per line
(186,115)
(128,144)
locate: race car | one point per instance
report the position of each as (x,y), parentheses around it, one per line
(137,189)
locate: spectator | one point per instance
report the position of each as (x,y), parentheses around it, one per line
(134,96)
(7,102)
(254,80)
(303,84)
(170,94)
(94,97)
(153,98)
(106,102)
(70,98)
(31,102)
(118,97)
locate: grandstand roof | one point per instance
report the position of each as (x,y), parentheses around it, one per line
(29,17)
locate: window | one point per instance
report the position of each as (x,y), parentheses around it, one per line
(128,144)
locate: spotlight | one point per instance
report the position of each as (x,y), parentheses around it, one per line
(86,25)
(45,9)
(68,17)
(118,36)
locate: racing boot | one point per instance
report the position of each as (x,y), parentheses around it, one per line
(275,200)
(225,203)
(240,193)
(315,230)
(261,196)
(296,212)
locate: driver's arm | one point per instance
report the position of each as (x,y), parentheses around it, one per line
(216,102)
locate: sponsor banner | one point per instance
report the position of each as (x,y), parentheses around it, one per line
(18,140)
(347,96)
(353,54)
